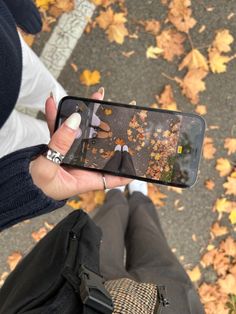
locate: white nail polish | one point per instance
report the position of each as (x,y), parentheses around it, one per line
(73,121)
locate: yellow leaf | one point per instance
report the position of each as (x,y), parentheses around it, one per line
(230,144)
(232,216)
(223,166)
(223,40)
(44,4)
(194,274)
(107,112)
(153,52)
(74,204)
(105,18)
(89,78)
(222,205)
(13,260)
(218,62)
(230,186)
(201,109)
(208,148)
(194,60)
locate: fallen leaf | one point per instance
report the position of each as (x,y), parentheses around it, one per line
(228,246)
(192,84)
(152,26)
(202,29)
(155,195)
(194,274)
(230,186)
(228,284)
(44,4)
(171,42)
(209,184)
(3,277)
(61,6)
(119,141)
(104,3)
(13,260)
(74,67)
(194,60)
(223,166)
(180,15)
(208,148)
(38,235)
(230,144)
(222,205)
(218,62)
(105,18)
(117,33)
(166,99)
(218,230)
(201,109)
(108,112)
(128,53)
(153,52)
(223,40)
(89,78)
(232,216)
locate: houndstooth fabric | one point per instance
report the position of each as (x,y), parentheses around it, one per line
(131,297)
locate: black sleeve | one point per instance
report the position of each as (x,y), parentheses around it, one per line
(20,198)
(26,15)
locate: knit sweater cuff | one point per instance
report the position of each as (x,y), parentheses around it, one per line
(20,198)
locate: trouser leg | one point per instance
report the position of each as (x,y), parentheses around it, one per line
(127,166)
(112,218)
(113,163)
(150,259)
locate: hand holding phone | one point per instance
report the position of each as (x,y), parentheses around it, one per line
(152,145)
(58,182)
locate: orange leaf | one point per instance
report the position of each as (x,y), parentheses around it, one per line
(208,148)
(230,144)
(218,62)
(201,109)
(105,18)
(38,235)
(192,84)
(166,99)
(229,247)
(171,42)
(218,230)
(209,184)
(223,166)
(13,260)
(194,274)
(117,33)
(119,141)
(180,15)
(155,195)
(89,78)
(152,26)
(228,284)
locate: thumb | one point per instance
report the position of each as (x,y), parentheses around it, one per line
(63,138)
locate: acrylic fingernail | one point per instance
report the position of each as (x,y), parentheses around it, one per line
(73,121)
(101,91)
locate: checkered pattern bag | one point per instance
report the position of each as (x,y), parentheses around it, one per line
(131,297)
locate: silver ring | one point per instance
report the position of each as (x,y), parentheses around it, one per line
(104,182)
(54,156)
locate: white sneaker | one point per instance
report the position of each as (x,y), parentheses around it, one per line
(138,186)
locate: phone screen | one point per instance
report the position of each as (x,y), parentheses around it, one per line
(148,144)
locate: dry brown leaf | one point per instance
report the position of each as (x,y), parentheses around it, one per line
(128,53)
(218,230)
(152,26)
(105,18)
(223,166)
(230,185)
(194,274)
(104,3)
(74,67)
(228,284)
(171,42)
(180,15)
(201,109)
(89,78)
(13,260)
(230,144)
(192,84)
(194,60)
(208,148)
(155,195)
(119,141)
(209,184)
(38,235)
(223,40)
(218,62)
(166,99)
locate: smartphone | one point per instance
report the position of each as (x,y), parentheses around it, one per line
(153,145)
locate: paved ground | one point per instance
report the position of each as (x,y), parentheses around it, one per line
(138,78)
